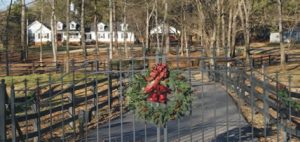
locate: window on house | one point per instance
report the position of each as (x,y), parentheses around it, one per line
(101,28)
(59,27)
(72,26)
(46,35)
(39,36)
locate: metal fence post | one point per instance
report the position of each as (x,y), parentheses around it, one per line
(265,100)
(2,111)
(289,94)
(36,109)
(166,133)
(12,109)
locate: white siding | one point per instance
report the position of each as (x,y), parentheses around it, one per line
(39,32)
(105,37)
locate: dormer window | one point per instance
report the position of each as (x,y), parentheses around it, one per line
(59,26)
(101,27)
(72,25)
(124,27)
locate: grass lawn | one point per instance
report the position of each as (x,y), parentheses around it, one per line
(44,79)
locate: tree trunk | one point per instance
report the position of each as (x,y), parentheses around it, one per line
(218,39)
(234,31)
(182,30)
(82,26)
(230,29)
(166,28)
(125,36)
(282,50)
(110,29)
(156,24)
(147,26)
(223,25)
(115,28)
(96,30)
(41,35)
(68,29)
(247,8)
(23,31)
(68,38)
(53,30)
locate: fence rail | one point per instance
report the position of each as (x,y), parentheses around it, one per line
(272,59)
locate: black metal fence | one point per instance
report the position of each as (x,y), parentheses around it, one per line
(93,107)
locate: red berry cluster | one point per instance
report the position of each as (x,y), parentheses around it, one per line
(157,91)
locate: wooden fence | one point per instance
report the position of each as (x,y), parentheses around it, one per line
(256,88)
(272,59)
(38,114)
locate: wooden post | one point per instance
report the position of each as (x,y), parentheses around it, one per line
(261,60)
(92,66)
(2,111)
(269,59)
(32,67)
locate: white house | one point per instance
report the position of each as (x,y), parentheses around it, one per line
(159,30)
(74,33)
(104,34)
(39,33)
(288,36)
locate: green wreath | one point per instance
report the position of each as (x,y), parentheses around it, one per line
(172,90)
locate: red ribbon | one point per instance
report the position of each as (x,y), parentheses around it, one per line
(157,91)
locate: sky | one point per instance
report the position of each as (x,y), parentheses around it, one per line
(4,3)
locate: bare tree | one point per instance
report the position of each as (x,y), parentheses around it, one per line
(115,28)
(247,7)
(6,37)
(96,29)
(218,42)
(125,36)
(182,28)
(82,27)
(41,34)
(282,50)
(68,38)
(223,23)
(110,28)
(148,17)
(157,26)
(166,27)
(23,31)
(53,31)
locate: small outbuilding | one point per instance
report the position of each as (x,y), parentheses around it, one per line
(39,33)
